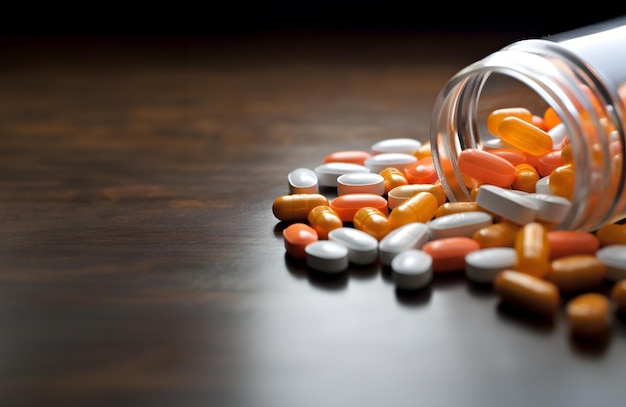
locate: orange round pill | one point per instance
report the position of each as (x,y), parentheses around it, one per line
(589,315)
(297,236)
(449,253)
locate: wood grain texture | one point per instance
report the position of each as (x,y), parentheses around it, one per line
(140,263)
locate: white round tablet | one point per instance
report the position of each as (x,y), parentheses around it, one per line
(412,235)
(614,258)
(483,265)
(302,181)
(514,207)
(361,182)
(328,173)
(362,247)
(327,256)
(396,145)
(458,224)
(379,162)
(412,269)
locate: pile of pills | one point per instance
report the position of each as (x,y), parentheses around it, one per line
(386,205)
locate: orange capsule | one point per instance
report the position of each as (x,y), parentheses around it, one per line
(372,221)
(323,219)
(611,233)
(618,296)
(549,162)
(525,136)
(533,251)
(513,156)
(589,315)
(486,167)
(526,177)
(421,171)
(347,156)
(402,193)
(449,208)
(576,272)
(527,292)
(540,122)
(296,237)
(424,151)
(567,154)
(501,234)
(419,208)
(562,179)
(449,253)
(495,117)
(296,206)
(392,177)
(567,242)
(347,205)
(550,118)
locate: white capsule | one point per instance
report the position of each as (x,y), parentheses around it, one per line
(302,181)
(412,269)
(482,266)
(458,224)
(327,256)
(379,162)
(550,207)
(510,205)
(396,145)
(362,247)
(614,258)
(413,235)
(361,182)
(328,173)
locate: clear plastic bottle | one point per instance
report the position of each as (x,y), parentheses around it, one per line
(570,72)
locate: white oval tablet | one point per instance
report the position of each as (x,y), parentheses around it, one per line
(542,186)
(362,247)
(412,269)
(482,266)
(614,258)
(328,173)
(512,206)
(361,182)
(396,145)
(327,256)
(302,181)
(379,162)
(550,207)
(413,235)
(458,224)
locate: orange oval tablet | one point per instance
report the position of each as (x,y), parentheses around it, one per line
(296,206)
(611,233)
(297,236)
(486,167)
(449,253)
(576,272)
(588,314)
(549,162)
(348,156)
(527,292)
(421,171)
(567,242)
(513,156)
(347,205)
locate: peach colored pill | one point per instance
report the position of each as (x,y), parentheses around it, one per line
(296,206)
(449,253)
(348,156)
(567,242)
(297,236)
(588,314)
(421,172)
(513,156)
(486,167)
(527,292)
(549,162)
(347,205)
(576,272)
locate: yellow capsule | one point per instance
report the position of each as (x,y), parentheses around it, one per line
(567,154)
(495,118)
(372,221)
(501,234)
(323,219)
(576,272)
(611,233)
(296,206)
(527,292)
(618,296)
(561,181)
(449,208)
(533,251)
(392,177)
(525,136)
(402,193)
(589,314)
(419,208)
(424,151)
(526,177)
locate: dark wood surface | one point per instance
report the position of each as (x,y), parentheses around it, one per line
(141,265)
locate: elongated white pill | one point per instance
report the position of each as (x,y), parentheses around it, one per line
(550,207)
(403,145)
(302,181)
(362,247)
(361,182)
(327,256)
(482,266)
(379,162)
(328,173)
(412,235)
(512,206)
(614,258)
(458,224)
(412,269)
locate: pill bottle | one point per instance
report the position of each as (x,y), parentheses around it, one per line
(581,75)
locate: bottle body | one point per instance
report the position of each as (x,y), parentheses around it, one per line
(581,76)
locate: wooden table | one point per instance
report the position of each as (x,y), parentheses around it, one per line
(141,265)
